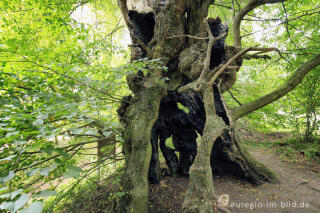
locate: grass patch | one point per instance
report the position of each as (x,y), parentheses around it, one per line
(289,149)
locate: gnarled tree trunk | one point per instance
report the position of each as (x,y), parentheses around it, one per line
(199,70)
(140,117)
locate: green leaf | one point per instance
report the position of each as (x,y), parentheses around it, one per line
(7,195)
(185,109)
(107,133)
(82,37)
(46,193)
(35,207)
(58,161)
(11,41)
(6,177)
(62,153)
(46,171)
(23,200)
(7,158)
(33,172)
(11,195)
(7,206)
(47,149)
(11,133)
(3,188)
(15,193)
(20,142)
(38,122)
(90,132)
(72,172)
(43,116)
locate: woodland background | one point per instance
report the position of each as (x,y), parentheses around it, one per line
(63,66)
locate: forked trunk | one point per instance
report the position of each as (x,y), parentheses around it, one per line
(170,31)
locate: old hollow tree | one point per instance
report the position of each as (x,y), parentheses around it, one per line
(200,67)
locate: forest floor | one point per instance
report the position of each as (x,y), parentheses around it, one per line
(298,190)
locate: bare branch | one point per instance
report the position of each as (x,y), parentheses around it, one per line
(124,10)
(256,56)
(286,17)
(289,85)
(212,40)
(233,10)
(263,49)
(244,11)
(287,26)
(311,39)
(218,71)
(277,25)
(77,6)
(115,29)
(73,145)
(223,5)
(223,68)
(260,51)
(234,98)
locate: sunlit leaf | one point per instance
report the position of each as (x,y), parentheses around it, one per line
(46,171)
(22,200)
(72,172)
(6,177)
(7,158)
(46,193)
(35,207)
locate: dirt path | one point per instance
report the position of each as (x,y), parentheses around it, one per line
(299,191)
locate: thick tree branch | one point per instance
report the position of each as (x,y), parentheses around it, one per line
(212,40)
(256,56)
(124,10)
(291,83)
(244,11)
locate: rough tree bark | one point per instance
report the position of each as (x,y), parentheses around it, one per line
(142,112)
(140,115)
(199,69)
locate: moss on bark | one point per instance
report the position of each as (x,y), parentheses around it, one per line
(140,117)
(200,195)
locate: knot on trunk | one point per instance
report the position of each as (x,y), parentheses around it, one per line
(135,81)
